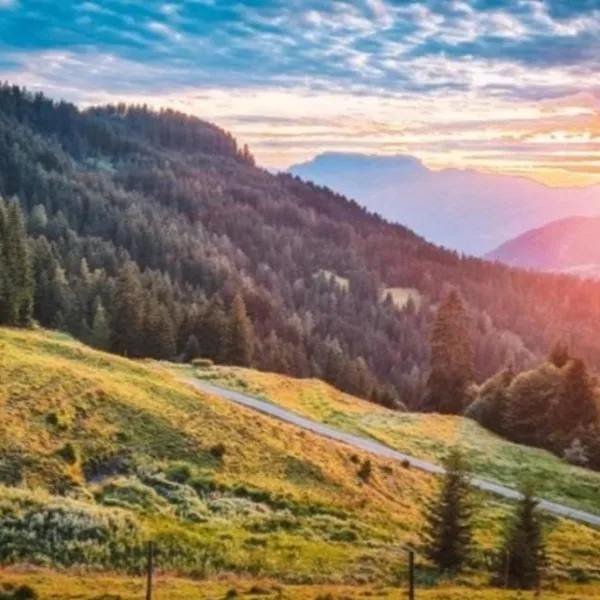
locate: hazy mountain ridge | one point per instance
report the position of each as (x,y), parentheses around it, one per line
(474,211)
(568,245)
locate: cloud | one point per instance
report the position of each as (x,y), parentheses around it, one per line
(296,78)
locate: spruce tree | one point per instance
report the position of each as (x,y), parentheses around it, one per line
(576,406)
(100,337)
(158,335)
(448,518)
(16,279)
(522,556)
(192,349)
(241,335)
(559,354)
(451,358)
(214,331)
(127,313)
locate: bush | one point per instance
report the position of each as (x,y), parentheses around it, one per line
(365,470)
(179,472)
(405,463)
(218,450)
(68,453)
(203,363)
(23,592)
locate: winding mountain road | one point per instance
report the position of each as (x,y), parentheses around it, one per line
(374,447)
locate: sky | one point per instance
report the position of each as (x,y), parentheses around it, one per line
(511,86)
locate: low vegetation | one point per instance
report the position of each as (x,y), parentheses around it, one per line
(223,491)
(424,435)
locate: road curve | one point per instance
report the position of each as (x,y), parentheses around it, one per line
(374,447)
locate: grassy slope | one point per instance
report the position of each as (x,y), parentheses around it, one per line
(426,436)
(98,454)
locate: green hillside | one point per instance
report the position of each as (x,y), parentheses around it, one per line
(423,435)
(99,454)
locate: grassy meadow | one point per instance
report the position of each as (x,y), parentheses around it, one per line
(425,436)
(99,454)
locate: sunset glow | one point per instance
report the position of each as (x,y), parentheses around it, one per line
(509,87)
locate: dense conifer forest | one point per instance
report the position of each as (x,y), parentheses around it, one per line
(153,234)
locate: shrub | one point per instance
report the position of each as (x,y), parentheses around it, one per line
(68,453)
(344,535)
(365,470)
(203,363)
(23,592)
(179,472)
(405,463)
(218,450)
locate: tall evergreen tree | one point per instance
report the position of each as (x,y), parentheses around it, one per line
(522,556)
(241,334)
(576,405)
(16,286)
(158,335)
(192,349)
(100,336)
(214,331)
(559,354)
(127,312)
(451,358)
(447,534)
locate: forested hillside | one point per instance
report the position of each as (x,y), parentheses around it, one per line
(154,234)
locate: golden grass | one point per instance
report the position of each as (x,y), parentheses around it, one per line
(55,586)
(280,504)
(427,436)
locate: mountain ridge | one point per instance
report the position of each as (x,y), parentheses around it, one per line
(476,211)
(566,245)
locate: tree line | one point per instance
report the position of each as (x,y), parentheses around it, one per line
(555,405)
(448,535)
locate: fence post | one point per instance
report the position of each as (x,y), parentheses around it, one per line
(411,575)
(149,570)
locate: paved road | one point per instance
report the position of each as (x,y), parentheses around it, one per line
(374,447)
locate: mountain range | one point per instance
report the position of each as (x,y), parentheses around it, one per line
(462,209)
(568,245)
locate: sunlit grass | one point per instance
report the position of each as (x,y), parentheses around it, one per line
(99,454)
(427,436)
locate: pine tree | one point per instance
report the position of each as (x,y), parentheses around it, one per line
(559,354)
(127,313)
(576,406)
(100,337)
(451,358)
(448,529)
(192,349)
(16,286)
(158,335)
(214,337)
(522,557)
(241,335)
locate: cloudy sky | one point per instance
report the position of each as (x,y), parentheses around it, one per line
(505,85)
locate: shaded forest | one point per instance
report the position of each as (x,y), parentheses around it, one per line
(154,234)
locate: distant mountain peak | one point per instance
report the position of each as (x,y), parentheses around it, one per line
(349,160)
(566,245)
(464,209)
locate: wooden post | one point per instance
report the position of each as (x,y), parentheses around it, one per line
(411,575)
(149,570)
